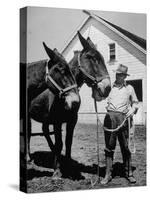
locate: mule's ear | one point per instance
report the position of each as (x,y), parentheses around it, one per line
(91,43)
(58,54)
(55,50)
(83,41)
(49,52)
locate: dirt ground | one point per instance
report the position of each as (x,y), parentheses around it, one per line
(81,172)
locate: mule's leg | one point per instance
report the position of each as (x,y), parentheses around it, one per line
(58,149)
(28,140)
(69,134)
(45,128)
(58,140)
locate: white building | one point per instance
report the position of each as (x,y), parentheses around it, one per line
(117,46)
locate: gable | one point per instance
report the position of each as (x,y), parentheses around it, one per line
(138,40)
(113,36)
(120,41)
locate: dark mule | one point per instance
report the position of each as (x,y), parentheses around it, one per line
(58,82)
(88,66)
(48,109)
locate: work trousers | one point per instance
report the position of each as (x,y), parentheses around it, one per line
(113,120)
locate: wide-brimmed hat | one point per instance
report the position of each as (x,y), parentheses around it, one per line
(122,69)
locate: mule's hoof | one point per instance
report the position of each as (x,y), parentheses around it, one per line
(131,179)
(57,175)
(106,180)
(30,163)
(29,159)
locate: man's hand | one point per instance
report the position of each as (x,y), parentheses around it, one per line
(131,112)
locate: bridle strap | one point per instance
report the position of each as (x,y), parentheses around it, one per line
(51,80)
(87,74)
(95,80)
(69,88)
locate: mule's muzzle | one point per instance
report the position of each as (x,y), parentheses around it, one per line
(105,87)
(101,90)
(72,101)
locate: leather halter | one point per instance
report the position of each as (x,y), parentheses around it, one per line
(92,78)
(48,78)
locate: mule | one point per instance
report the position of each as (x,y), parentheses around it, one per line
(55,78)
(88,67)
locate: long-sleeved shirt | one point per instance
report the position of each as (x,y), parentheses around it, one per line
(122,98)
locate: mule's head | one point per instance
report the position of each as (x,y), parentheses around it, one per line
(94,70)
(60,79)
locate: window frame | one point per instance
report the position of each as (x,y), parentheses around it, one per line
(113,52)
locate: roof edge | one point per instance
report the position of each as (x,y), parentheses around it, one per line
(90,14)
(73,35)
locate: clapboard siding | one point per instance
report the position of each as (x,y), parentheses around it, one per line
(126,54)
(120,41)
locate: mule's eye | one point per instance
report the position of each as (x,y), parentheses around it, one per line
(63,72)
(95,60)
(92,58)
(56,70)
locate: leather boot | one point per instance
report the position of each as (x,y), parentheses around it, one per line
(128,171)
(108,175)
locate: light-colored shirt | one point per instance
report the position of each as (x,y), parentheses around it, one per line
(122,98)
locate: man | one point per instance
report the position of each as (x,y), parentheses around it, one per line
(122,103)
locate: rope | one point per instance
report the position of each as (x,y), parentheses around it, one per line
(115,129)
(97,134)
(131,142)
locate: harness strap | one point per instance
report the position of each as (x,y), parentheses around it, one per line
(86,74)
(69,88)
(50,79)
(61,90)
(95,80)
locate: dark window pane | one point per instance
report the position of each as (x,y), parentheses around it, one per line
(112,46)
(137,84)
(112,57)
(112,53)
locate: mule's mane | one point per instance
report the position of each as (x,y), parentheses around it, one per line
(74,62)
(37,64)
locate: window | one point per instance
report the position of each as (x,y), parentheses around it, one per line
(137,84)
(112,52)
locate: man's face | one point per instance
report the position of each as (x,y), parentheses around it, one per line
(120,78)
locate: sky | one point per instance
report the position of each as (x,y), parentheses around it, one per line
(54,26)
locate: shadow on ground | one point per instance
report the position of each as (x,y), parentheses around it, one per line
(43,162)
